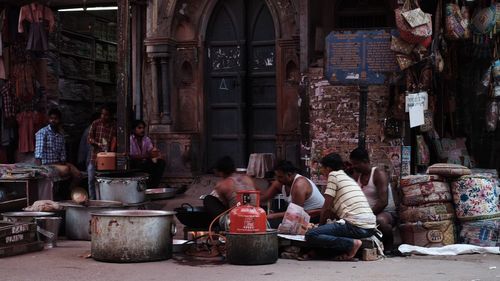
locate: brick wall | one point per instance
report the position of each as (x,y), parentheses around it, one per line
(334,119)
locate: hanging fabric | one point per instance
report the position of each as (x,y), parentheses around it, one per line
(413,34)
(41,21)
(455,23)
(483,26)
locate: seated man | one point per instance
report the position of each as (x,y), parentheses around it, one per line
(374,184)
(345,202)
(224,195)
(296,189)
(144,156)
(50,148)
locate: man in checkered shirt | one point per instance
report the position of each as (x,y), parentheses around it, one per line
(102,138)
(50,148)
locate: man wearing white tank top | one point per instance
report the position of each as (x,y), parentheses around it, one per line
(376,188)
(296,189)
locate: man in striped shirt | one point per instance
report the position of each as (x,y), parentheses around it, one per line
(345,202)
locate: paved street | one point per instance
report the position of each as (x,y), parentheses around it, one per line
(66,262)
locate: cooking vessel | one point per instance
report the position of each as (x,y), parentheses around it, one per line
(24,216)
(132,236)
(252,248)
(194,217)
(77,221)
(106,161)
(124,188)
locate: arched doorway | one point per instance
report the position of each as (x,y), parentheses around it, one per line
(240,81)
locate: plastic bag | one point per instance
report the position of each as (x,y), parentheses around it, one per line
(295,221)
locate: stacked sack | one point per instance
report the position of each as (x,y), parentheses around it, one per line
(477,208)
(426,211)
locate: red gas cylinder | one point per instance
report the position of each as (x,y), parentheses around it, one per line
(247,218)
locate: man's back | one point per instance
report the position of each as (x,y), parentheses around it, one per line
(349,202)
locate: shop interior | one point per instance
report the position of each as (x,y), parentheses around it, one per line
(76,73)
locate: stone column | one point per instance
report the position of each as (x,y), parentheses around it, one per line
(165,91)
(155,116)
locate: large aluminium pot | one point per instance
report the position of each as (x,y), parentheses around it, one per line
(132,235)
(252,248)
(128,189)
(78,217)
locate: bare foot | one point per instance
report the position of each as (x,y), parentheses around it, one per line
(355,247)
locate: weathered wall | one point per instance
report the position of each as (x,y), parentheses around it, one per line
(334,119)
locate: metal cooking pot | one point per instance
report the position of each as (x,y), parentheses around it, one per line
(194,217)
(78,216)
(252,249)
(132,236)
(125,188)
(24,216)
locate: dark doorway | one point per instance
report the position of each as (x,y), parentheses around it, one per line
(241,81)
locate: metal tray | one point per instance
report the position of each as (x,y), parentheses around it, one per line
(161,193)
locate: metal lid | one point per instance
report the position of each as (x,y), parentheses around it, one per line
(125,176)
(92,204)
(27,214)
(133,213)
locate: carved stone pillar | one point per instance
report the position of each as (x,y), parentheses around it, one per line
(155,116)
(165,91)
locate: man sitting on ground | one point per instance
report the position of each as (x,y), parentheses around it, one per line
(375,186)
(344,201)
(296,189)
(50,148)
(224,195)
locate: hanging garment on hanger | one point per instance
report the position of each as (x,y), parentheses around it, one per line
(25,121)
(39,16)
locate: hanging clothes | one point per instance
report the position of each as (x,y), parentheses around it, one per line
(25,121)
(22,76)
(9,104)
(39,17)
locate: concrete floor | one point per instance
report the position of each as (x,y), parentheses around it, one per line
(67,262)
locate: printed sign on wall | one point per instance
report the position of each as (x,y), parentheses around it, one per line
(359,57)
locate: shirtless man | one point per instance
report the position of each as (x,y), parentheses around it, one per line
(223,197)
(295,188)
(375,186)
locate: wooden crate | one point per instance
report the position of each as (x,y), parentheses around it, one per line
(10,228)
(22,248)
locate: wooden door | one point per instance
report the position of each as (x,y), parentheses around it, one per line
(241,95)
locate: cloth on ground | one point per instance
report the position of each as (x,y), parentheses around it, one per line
(449,250)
